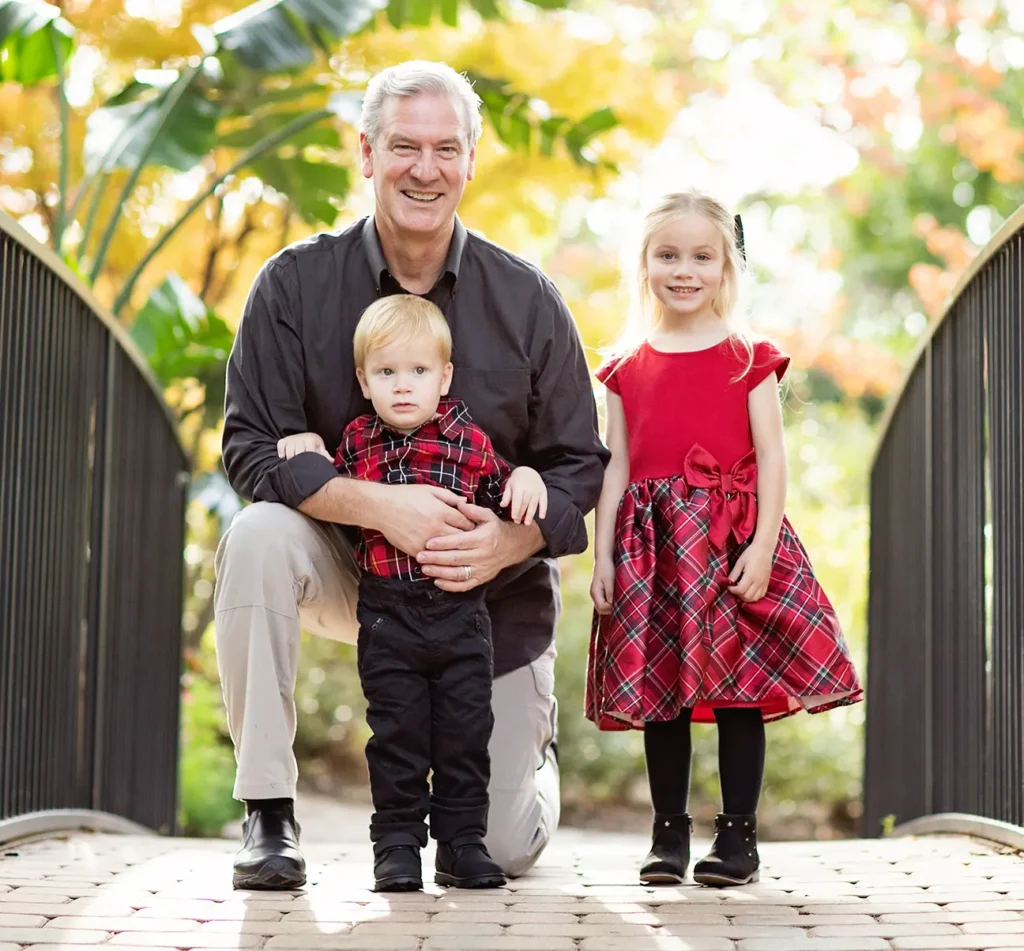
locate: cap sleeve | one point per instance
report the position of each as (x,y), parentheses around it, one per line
(768,359)
(609,373)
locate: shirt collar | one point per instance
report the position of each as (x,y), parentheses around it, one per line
(451,419)
(379,266)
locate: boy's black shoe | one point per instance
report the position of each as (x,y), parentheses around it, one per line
(733,859)
(465,863)
(669,858)
(398,869)
(270,856)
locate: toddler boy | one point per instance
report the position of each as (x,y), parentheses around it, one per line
(424,655)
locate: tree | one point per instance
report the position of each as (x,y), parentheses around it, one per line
(252,96)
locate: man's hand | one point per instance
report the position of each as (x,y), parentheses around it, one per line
(527,494)
(460,562)
(409,516)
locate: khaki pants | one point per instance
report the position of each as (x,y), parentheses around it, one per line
(279,573)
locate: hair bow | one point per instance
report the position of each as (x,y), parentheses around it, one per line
(738,222)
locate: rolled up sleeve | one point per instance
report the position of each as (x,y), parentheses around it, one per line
(564,443)
(265,397)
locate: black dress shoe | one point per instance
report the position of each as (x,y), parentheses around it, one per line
(270,856)
(466,864)
(398,870)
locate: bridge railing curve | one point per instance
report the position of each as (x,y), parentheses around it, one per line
(945,709)
(92,495)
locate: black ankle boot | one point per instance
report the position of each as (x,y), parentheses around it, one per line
(669,858)
(270,856)
(398,869)
(466,863)
(733,859)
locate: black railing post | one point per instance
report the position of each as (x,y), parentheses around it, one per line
(928,621)
(101,634)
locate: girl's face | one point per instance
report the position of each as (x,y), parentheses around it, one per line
(685,264)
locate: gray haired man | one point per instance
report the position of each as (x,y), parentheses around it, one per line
(286,561)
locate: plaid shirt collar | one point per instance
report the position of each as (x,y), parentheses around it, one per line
(451,419)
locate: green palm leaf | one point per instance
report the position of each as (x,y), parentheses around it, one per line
(283,35)
(32,35)
(116,134)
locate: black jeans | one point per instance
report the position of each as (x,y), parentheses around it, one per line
(426,666)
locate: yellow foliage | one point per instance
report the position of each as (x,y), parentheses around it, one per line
(28,118)
(515,198)
(573,74)
(140,42)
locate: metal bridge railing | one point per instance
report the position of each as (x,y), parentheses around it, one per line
(945,711)
(92,496)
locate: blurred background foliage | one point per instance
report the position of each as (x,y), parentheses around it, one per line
(166,148)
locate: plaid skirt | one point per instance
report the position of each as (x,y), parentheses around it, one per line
(676,637)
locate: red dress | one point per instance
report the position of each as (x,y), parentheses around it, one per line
(676,637)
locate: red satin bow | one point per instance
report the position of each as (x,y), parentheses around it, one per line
(733,494)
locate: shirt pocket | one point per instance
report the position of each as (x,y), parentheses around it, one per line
(498,401)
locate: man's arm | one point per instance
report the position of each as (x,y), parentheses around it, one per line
(265,396)
(343,500)
(563,443)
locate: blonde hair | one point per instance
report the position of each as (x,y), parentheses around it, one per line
(646,311)
(400,317)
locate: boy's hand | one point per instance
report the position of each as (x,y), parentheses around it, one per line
(528,495)
(602,588)
(291,446)
(751,572)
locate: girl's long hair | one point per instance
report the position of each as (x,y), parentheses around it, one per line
(645,310)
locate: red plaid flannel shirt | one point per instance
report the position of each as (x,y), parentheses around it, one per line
(449,451)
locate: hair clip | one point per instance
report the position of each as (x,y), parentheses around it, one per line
(740,246)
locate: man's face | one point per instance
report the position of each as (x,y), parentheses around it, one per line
(419,165)
(405,381)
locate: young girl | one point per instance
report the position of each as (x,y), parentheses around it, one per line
(706,606)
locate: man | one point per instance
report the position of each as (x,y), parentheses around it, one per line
(286,562)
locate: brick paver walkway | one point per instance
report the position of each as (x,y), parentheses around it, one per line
(929,893)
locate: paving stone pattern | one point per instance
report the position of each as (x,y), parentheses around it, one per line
(137,892)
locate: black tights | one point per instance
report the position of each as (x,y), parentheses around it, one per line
(740,760)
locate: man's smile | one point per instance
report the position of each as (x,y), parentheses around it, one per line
(423,197)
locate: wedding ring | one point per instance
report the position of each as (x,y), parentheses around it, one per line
(469,571)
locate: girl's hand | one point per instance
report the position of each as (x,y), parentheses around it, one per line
(602,588)
(291,446)
(528,495)
(752,571)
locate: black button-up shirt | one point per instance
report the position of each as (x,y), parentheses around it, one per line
(519,366)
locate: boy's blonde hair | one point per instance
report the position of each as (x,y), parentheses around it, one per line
(400,317)
(646,312)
